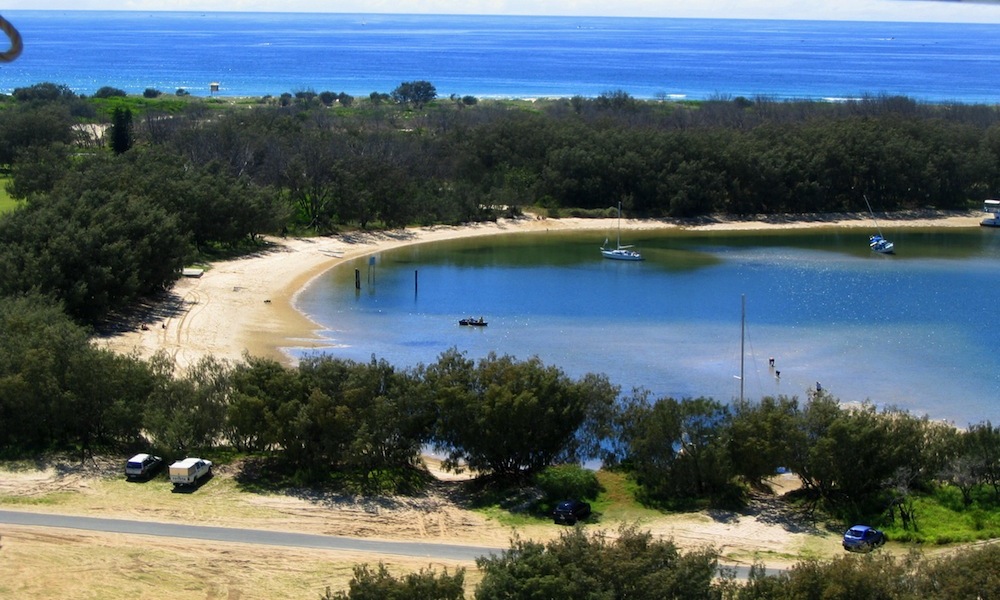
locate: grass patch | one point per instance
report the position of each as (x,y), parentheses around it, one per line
(54,499)
(618,498)
(940,515)
(7,203)
(942,518)
(70,564)
(617,501)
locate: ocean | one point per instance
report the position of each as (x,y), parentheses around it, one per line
(260,54)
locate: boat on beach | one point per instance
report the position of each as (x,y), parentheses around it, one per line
(992,208)
(620,252)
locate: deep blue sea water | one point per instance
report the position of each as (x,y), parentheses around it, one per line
(257,54)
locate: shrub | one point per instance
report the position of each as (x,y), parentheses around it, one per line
(151,93)
(568,481)
(109,92)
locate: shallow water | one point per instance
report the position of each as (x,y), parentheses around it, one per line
(914,330)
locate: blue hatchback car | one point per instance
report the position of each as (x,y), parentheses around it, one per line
(862,538)
(571,511)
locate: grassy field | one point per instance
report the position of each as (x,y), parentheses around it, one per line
(37,562)
(942,518)
(60,563)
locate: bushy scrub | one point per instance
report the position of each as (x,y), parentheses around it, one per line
(568,481)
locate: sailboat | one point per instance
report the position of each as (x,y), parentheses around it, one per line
(876,242)
(620,252)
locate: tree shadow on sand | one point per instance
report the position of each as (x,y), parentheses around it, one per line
(771,509)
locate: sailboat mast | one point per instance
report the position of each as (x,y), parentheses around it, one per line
(743,324)
(871,212)
(619,225)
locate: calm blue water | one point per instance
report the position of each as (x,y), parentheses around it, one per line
(918,330)
(256,54)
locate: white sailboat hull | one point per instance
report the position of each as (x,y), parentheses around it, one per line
(620,254)
(876,242)
(881,245)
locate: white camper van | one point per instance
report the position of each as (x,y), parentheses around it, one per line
(188,471)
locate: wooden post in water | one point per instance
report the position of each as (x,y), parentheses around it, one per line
(415,282)
(357,279)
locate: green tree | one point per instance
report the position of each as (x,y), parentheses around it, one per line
(39,348)
(631,565)
(187,412)
(106,394)
(94,252)
(970,573)
(507,418)
(761,437)
(121,130)
(109,92)
(394,420)
(878,576)
(259,388)
(44,92)
(982,447)
(33,126)
(678,448)
(417,93)
(379,584)
(313,179)
(36,169)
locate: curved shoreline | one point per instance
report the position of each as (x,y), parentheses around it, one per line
(247,305)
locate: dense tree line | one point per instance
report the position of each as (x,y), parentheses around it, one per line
(190,176)
(632,565)
(110,230)
(365,424)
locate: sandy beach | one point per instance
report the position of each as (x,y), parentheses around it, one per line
(246,305)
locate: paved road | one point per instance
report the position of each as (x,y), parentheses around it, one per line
(246,536)
(266,537)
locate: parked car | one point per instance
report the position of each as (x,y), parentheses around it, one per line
(189,471)
(570,511)
(862,538)
(142,466)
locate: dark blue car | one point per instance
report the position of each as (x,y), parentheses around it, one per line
(862,538)
(570,511)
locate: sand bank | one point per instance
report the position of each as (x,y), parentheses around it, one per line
(246,305)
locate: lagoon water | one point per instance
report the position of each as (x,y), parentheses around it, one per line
(918,330)
(258,54)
